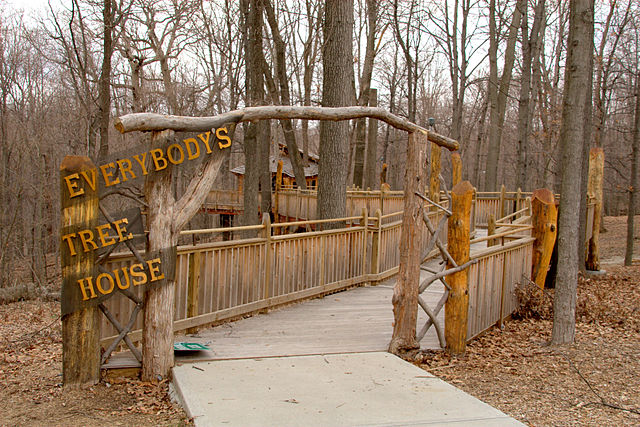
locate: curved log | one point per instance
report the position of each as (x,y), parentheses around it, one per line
(158,122)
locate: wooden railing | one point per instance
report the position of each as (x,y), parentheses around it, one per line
(222,280)
(493,280)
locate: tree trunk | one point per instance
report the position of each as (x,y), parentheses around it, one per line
(498,90)
(371,162)
(364,96)
(254,132)
(104,101)
(157,330)
(634,183)
(571,140)
(337,60)
(405,292)
(285,97)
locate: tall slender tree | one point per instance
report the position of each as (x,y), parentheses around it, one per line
(337,63)
(572,134)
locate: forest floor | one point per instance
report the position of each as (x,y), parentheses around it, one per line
(593,382)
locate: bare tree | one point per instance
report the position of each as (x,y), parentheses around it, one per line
(337,62)
(577,78)
(499,88)
(634,182)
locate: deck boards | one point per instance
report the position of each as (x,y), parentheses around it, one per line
(358,320)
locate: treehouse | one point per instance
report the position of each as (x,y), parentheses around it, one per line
(230,202)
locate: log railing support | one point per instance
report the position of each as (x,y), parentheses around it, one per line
(405,292)
(594,189)
(491,229)
(80,327)
(544,219)
(193,287)
(374,267)
(457,306)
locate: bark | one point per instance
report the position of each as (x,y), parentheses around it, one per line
(529,49)
(405,292)
(146,122)
(499,89)
(337,59)
(157,329)
(371,160)
(257,134)
(364,96)
(634,183)
(104,88)
(284,97)
(571,139)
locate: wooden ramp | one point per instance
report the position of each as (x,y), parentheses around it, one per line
(357,320)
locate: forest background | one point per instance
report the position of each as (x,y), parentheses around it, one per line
(490,74)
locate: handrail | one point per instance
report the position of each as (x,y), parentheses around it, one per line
(315,221)
(222,229)
(523,210)
(498,235)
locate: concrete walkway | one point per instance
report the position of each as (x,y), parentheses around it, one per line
(359,389)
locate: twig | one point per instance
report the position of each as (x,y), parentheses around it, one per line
(33,334)
(602,401)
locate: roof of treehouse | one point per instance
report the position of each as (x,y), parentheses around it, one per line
(287,168)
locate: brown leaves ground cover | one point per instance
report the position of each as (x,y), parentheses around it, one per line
(594,382)
(31,383)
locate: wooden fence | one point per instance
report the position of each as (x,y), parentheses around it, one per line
(221,280)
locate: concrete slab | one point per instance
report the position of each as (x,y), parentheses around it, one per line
(362,389)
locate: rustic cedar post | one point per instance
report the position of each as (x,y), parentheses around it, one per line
(374,268)
(80,328)
(596,171)
(383,174)
(276,204)
(266,222)
(544,218)
(364,222)
(157,332)
(434,178)
(456,309)
(518,198)
(503,195)
(456,169)
(491,229)
(405,293)
(193,287)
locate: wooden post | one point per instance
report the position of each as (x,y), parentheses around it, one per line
(266,221)
(434,178)
(405,292)
(594,189)
(491,229)
(276,204)
(457,306)
(456,169)
(364,222)
(193,287)
(157,331)
(80,327)
(544,218)
(503,195)
(518,197)
(374,268)
(383,174)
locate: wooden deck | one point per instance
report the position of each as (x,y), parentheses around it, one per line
(357,320)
